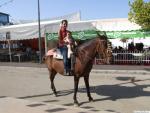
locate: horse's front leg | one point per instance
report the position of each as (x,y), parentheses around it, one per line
(86,80)
(76,82)
(51,77)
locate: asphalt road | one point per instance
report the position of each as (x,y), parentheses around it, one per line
(111,92)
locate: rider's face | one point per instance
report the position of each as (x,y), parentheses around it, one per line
(64,24)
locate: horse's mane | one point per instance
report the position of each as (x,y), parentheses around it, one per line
(92,41)
(87,43)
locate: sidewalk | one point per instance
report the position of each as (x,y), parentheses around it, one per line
(107,69)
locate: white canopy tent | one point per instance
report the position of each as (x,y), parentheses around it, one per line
(30,30)
(24,31)
(119,24)
(123,25)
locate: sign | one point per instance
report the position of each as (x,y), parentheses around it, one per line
(88,34)
(82,35)
(128,34)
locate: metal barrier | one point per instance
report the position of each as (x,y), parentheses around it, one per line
(128,57)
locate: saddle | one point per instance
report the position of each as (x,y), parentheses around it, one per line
(55,53)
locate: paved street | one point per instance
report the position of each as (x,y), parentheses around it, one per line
(111,92)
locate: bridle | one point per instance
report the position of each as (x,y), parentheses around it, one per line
(108,49)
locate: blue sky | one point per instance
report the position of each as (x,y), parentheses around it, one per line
(90,9)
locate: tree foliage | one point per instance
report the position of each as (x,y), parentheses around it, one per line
(140,13)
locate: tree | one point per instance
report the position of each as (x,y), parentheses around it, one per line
(140,13)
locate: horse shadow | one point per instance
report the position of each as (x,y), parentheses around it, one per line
(111,92)
(65,92)
(60,93)
(118,91)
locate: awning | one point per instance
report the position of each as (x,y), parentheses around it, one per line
(128,34)
(88,34)
(81,35)
(114,28)
(24,31)
(30,30)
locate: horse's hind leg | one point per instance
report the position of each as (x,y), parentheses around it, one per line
(51,77)
(86,80)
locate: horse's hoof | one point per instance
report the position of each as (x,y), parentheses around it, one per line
(91,100)
(76,105)
(133,79)
(55,94)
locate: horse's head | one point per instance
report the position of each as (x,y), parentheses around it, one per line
(103,49)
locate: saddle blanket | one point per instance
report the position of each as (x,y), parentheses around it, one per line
(55,53)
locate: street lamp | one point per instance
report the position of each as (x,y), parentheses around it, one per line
(39,28)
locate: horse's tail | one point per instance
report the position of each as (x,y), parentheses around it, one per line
(44,58)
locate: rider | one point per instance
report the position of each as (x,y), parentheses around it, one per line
(62,34)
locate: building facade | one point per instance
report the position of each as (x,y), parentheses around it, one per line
(4,19)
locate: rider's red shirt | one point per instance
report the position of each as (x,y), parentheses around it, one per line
(62,34)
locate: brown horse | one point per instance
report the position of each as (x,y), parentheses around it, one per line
(85,55)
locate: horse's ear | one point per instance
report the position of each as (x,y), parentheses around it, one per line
(98,34)
(101,34)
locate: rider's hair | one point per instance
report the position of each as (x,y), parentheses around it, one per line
(64,21)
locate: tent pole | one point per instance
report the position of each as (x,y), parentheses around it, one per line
(9,51)
(45,42)
(39,26)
